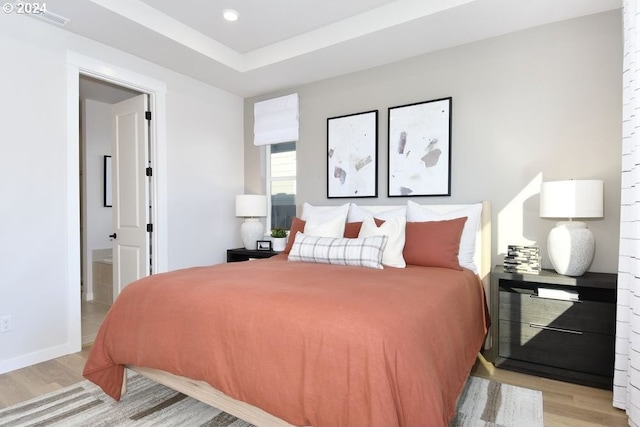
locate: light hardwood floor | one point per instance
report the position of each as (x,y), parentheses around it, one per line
(26,383)
(92,315)
(565,404)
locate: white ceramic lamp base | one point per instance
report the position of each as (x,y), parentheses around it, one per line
(571,247)
(251,231)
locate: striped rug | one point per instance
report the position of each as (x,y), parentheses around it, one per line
(147,403)
(485,403)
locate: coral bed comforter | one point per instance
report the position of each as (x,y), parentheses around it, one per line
(313,344)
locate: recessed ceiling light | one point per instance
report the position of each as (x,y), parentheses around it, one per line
(230,15)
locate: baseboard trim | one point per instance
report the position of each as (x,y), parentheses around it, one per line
(36,357)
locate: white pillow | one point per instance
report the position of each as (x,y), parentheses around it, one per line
(365,252)
(323,213)
(466,254)
(316,226)
(358,213)
(393,228)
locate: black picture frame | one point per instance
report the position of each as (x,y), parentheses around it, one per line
(263,245)
(107,189)
(419,160)
(352,155)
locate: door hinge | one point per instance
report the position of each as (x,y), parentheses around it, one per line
(147,115)
(149,172)
(149,228)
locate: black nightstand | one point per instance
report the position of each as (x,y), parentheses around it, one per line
(242,254)
(555,326)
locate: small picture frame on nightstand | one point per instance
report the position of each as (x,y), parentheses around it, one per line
(263,245)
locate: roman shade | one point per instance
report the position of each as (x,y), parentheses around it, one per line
(276,120)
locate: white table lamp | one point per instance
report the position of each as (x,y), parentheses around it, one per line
(252,208)
(571,244)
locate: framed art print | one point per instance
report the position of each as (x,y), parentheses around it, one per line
(352,155)
(263,245)
(420,149)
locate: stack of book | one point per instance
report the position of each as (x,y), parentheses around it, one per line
(522,259)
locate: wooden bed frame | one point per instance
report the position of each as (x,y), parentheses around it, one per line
(203,392)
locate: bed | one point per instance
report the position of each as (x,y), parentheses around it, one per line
(278,342)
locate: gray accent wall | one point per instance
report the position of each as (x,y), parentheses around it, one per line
(539,104)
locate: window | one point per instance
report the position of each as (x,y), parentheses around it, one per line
(281,184)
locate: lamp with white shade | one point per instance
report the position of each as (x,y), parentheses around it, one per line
(571,244)
(252,208)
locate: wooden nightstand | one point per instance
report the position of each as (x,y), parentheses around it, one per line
(242,254)
(555,326)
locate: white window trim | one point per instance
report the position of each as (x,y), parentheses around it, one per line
(268,186)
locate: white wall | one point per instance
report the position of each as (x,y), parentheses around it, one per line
(540,104)
(204,171)
(203,223)
(96,218)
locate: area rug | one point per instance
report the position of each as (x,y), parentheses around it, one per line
(147,403)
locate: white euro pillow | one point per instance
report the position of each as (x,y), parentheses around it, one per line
(317,226)
(359,213)
(394,229)
(323,213)
(466,254)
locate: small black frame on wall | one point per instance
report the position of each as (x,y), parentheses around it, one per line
(107,181)
(263,245)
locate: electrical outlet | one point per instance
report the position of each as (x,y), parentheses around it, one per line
(5,323)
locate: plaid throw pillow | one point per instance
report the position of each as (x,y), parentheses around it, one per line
(364,252)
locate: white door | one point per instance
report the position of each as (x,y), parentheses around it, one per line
(130,195)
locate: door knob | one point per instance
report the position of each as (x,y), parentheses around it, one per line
(113,236)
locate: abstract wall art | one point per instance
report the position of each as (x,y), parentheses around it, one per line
(352,155)
(420,149)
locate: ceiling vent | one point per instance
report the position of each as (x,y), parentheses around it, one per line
(44,15)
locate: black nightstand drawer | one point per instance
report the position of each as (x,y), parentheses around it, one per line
(518,304)
(556,326)
(582,352)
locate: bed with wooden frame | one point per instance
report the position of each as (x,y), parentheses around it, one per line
(116,348)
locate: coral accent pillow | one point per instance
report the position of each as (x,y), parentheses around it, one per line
(296,225)
(466,254)
(434,243)
(352,229)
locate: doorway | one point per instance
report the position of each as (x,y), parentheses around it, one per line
(82,66)
(96,223)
